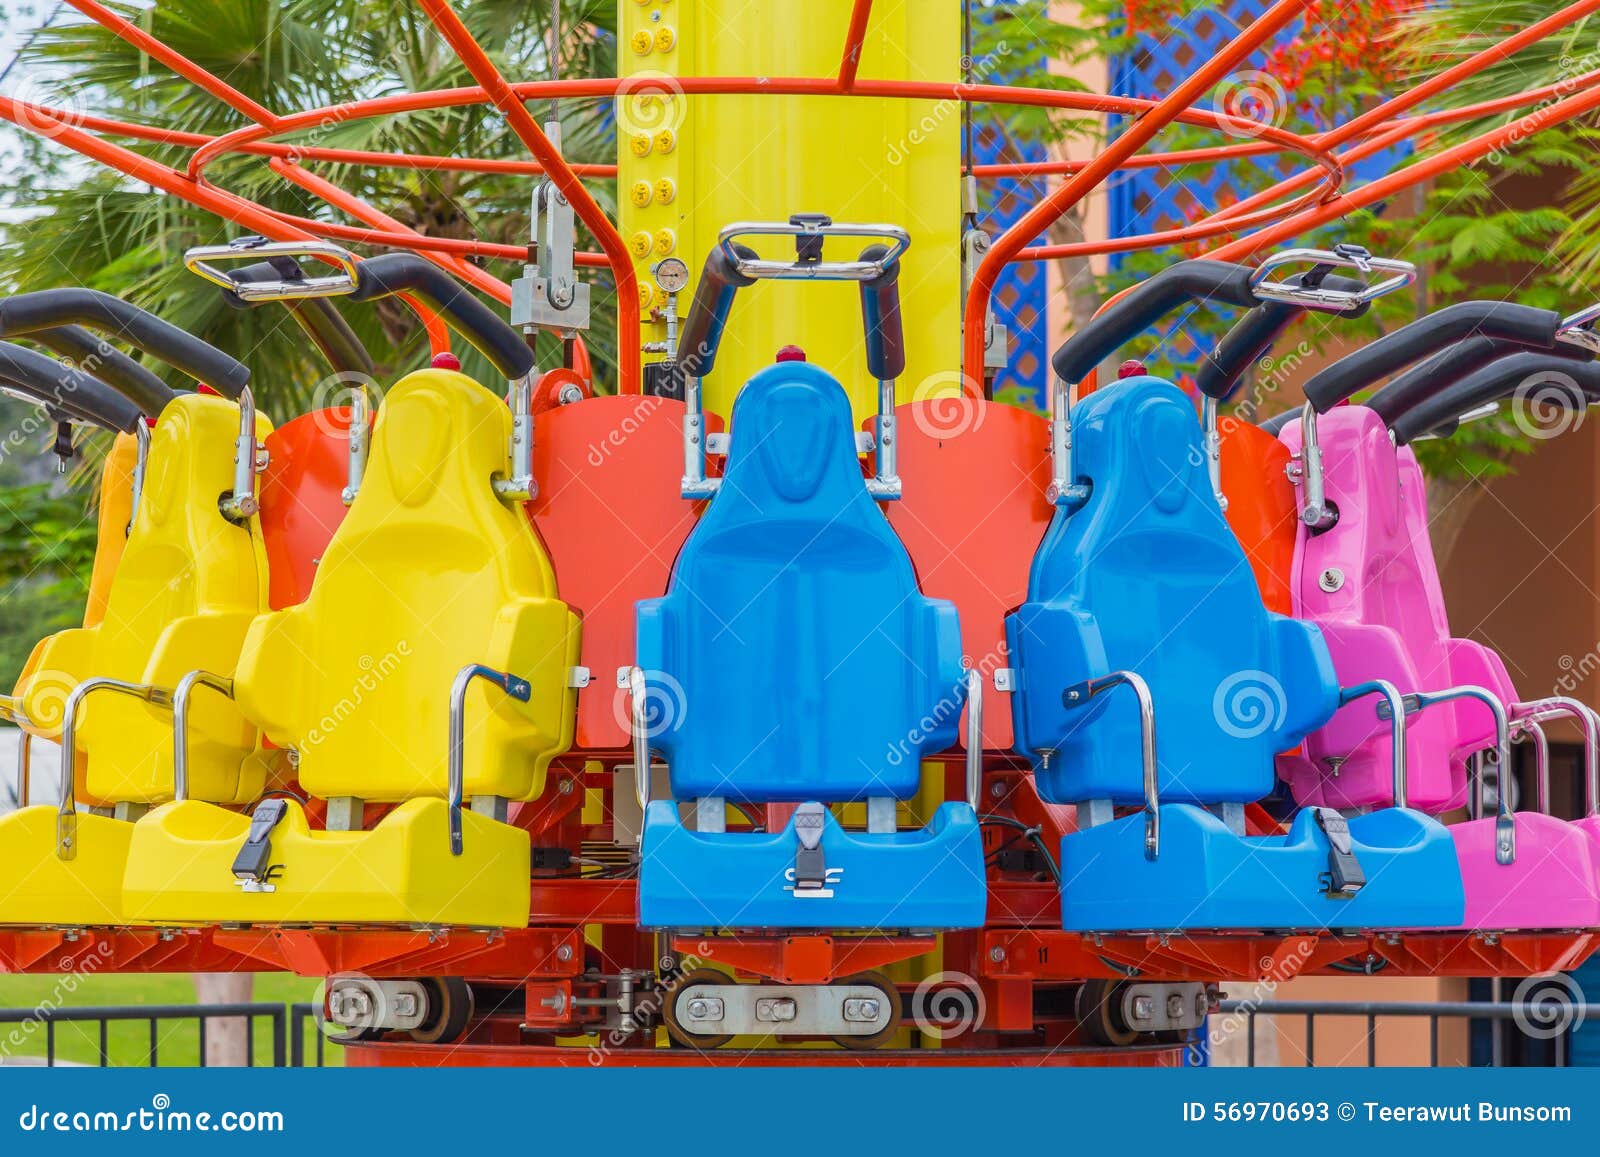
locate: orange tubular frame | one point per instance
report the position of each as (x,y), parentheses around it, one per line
(1306,200)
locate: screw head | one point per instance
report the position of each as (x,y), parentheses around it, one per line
(997,954)
(1331,579)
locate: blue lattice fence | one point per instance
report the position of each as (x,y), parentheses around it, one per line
(1149,200)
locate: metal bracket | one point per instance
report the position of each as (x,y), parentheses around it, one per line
(832,1010)
(1164,1007)
(549,295)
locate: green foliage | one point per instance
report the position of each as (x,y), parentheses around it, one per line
(85,225)
(72,222)
(1472,231)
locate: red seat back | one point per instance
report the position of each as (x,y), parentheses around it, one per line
(974,477)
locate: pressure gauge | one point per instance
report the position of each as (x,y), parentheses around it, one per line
(672,274)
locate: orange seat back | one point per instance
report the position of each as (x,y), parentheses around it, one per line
(610,514)
(302,501)
(1262,508)
(974,508)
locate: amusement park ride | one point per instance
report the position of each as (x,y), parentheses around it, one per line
(756,711)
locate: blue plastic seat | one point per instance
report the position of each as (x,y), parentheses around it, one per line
(1145,577)
(793,660)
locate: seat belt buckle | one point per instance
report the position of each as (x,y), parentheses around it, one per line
(1344,877)
(810,865)
(253,868)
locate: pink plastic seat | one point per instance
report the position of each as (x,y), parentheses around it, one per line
(1371,583)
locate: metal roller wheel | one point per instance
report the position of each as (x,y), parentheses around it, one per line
(450,1008)
(891,994)
(669,1011)
(1099,1012)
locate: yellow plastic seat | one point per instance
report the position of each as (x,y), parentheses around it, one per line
(116,508)
(186,587)
(430,572)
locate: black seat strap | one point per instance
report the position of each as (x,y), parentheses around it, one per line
(253,864)
(1344,877)
(810,867)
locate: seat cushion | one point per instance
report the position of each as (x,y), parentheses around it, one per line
(1206,877)
(428,572)
(929,878)
(1146,576)
(793,657)
(974,544)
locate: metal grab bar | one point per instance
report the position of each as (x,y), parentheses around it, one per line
(1327,298)
(516,687)
(1530,730)
(1505,823)
(67,813)
(180,724)
(974,681)
(1578,329)
(198,260)
(1536,711)
(1394,709)
(638,695)
(11,712)
(1082,694)
(748,264)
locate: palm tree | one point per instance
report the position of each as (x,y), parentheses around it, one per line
(87,226)
(80,225)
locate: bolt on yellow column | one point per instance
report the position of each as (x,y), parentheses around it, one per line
(690,165)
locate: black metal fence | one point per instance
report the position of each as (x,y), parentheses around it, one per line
(284,1025)
(1503,1032)
(1524,1032)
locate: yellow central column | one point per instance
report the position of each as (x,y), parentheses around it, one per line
(691,165)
